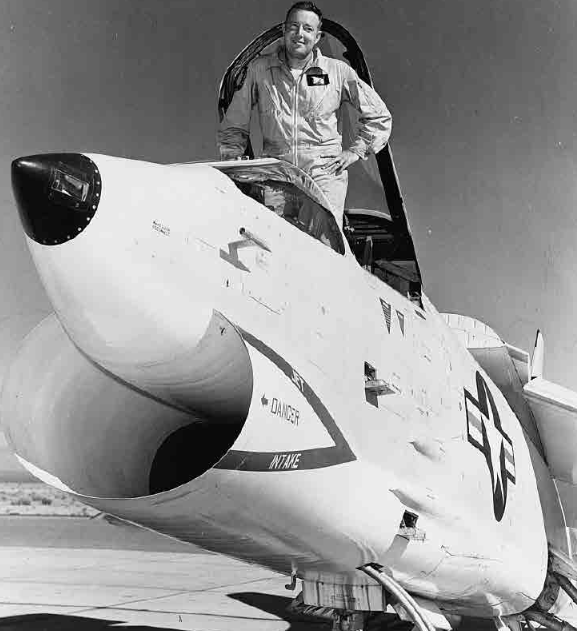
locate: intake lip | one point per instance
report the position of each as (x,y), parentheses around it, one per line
(57,195)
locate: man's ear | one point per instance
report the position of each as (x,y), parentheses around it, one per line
(319,36)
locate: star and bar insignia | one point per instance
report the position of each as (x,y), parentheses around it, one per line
(485,432)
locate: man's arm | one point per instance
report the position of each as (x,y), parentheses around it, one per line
(375,122)
(233,133)
(374,125)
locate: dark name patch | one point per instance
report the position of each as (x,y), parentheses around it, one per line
(317,79)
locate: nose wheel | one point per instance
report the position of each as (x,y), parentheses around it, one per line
(369,621)
(354,621)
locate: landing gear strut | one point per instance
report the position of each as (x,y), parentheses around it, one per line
(560,572)
(409,615)
(400,595)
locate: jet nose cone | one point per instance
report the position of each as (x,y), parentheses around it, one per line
(57,195)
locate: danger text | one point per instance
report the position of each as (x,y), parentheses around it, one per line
(285,411)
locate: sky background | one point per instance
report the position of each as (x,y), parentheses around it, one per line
(484,104)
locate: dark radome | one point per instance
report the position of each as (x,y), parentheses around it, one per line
(57,195)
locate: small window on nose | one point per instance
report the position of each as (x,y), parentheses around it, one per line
(70,186)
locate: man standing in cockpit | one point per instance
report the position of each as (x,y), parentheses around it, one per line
(298,93)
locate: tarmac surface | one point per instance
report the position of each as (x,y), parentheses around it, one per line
(82,532)
(85,574)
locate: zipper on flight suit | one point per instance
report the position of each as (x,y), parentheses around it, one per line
(295,116)
(295,99)
(296,84)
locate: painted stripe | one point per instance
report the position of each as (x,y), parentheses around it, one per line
(475,442)
(475,420)
(476,436)
(316,458)
(474,424)
(474,427)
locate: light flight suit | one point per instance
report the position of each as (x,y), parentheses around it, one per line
(298,117)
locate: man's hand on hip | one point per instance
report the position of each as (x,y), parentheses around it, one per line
(342,162)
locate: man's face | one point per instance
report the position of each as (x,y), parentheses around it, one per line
(301,33)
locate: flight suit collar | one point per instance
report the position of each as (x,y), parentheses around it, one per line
(318,60)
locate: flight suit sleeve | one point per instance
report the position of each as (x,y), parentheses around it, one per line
(375,121)
(234,130)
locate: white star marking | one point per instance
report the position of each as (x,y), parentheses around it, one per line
(495,440)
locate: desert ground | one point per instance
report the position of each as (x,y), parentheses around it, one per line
(38,499)
(22,494)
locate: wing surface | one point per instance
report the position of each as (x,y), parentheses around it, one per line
(555,411)
(508,367)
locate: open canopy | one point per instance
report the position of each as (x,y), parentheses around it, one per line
(376,223)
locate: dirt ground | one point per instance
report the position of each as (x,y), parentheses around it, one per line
(38,499)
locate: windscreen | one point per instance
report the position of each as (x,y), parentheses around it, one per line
(290,203)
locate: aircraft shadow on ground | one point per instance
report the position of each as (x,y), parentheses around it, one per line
(276,606)
(56,622)
(273,605)
(267,603)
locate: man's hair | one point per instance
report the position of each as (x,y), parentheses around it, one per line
(305,6)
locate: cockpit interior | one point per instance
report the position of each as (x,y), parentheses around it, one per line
(289,193)
(378,244)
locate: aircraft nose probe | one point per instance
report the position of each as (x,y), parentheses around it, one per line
(57,195)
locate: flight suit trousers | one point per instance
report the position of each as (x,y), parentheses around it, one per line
(333,186)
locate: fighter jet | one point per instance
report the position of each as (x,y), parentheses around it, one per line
(228,366)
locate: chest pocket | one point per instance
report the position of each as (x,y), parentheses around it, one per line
(321,100)
(268,99)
